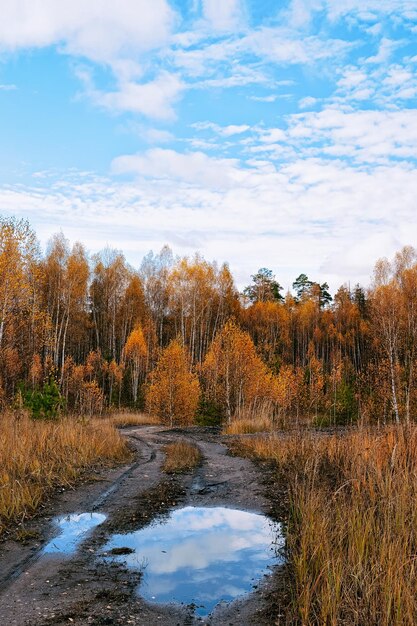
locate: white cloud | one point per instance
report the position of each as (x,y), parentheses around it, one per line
(367,136)
(157,135)
(154,99)
(224,63)
(307,102)
(234,129)
(385,50)
(383,85)
(352,78)
(223,15)
(116,34)
(299,13)
(367,10)
(225,131)
(101,31)
(279,45)
(8,87)
(270,98)
(149,134)
(195,168)
(272,135)
(356,255)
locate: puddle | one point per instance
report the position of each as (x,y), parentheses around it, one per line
(201,556)
(73,529)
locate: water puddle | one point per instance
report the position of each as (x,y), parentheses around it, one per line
(73,529)
(200,556)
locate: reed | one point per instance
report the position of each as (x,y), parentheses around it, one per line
(181,456)
(38,456)
(247,426)
(352,526)
(123,420)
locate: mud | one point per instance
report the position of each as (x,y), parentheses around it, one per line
(83,588)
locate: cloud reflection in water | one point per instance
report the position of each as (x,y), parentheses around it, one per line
(202,555)
(73,529)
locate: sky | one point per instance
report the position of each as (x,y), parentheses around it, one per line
(279,134)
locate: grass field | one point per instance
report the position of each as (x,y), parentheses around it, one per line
(352,524)
(38,456)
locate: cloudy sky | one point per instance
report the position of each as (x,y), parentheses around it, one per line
(260,132)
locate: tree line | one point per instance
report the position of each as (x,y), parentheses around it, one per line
(177,338)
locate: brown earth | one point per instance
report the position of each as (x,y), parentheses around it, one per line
(39,590)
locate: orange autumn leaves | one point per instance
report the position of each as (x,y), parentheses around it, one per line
(234,378)
(136,351)
(100,327)
(173,391)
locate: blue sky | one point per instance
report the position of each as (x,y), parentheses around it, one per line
(277,134)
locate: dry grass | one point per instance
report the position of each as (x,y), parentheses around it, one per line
(181,456)
(36,457)
(122,420)
(247,426)
(352,529)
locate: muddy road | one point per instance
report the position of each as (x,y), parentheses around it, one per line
(44,589)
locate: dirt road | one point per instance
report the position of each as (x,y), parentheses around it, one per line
(44,590)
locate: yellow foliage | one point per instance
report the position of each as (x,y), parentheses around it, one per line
(235,376)
(136,351)
(135,347)
(173,391)
(286,387)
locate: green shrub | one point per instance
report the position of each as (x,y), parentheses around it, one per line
(209,414)
(44,403)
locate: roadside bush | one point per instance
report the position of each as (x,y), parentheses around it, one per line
(209,414)
(45,403)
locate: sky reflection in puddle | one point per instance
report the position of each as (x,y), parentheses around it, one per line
(202,555)
(73,529)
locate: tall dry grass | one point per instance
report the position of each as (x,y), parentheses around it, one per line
(352,528)
(37,456)
(181,456)
(125,419)
(248,425)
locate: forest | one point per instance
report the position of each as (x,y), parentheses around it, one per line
(84,334)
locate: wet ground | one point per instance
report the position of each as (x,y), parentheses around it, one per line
(93,557)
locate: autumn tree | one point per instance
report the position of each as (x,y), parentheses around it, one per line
(393,305)
(66,275)
(405,271)
(268,323)
(387,323)
(135,352)
(23,323)
(173,390)
(155,274)
(286,390)
(235,378)
(201,300)
(17,252)
(111,280)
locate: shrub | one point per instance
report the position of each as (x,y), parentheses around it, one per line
(45,403)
